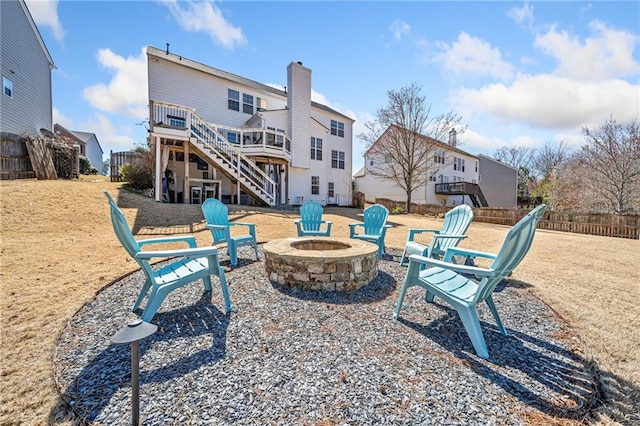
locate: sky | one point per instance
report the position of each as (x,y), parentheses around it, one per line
(521,74)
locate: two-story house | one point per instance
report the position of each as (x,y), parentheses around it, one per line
(451,176)
(25,65)
(236,139)
(85,143)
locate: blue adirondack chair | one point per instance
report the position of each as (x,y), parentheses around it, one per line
(456,223)
(187,265)
(217,216)
(310,222)
(452,282)
(374,227)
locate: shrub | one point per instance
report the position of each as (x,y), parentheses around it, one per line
(138,176)
(85,165)
(398,210)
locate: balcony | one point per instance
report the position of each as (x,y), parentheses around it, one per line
(463,188)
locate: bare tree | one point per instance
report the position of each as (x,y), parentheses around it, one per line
(515,156)
(405,139)
(612,153)
(549,158)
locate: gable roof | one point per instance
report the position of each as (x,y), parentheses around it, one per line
(85,136)
(68,136)
(38,35)
(177,59)
(434,141)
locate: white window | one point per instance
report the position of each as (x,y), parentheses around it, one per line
(432,177)
(330,190)
(316,148)
(234,99)
(337,128)
(315,185)
(458,164)
(476,166)
(438,156)
(337,159)
(247,103)
(233,137)
(7,87)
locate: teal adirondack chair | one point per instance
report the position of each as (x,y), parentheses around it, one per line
(217,216)
(310,222)
(451,282)
(187,265)
(374,227)
(456,223)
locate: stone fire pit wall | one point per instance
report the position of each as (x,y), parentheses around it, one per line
(313,263)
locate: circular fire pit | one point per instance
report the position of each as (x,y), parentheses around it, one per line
(328,263)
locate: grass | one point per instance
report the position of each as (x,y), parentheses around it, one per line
(58,249)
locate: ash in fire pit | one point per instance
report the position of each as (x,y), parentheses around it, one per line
(312,263)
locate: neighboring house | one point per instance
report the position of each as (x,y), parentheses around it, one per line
(244,139)
(25,65)
(453,177)
(93,149)
(499,182)
(69,138)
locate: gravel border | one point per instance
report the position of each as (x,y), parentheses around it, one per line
(287,356)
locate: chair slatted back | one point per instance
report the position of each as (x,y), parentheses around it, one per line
(375,218)
(216,213)
(311,216)
(456,222)
(515,247)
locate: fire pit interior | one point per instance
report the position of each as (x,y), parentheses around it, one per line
(313,263)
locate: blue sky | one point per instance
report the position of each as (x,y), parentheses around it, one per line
(519,73)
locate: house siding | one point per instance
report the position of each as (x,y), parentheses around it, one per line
(376,187)
(205,89)
(499,183)
(23,61)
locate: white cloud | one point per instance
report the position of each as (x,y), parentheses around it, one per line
(522,15)
(399,29)
(110,138)
(126,93)
(207,18)
(45,13)
(607,54)
(471,55)
(552,102)
(61,119)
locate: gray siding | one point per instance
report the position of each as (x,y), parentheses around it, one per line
(23,61)
(499,182)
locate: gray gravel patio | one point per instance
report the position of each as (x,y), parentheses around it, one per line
(292,357)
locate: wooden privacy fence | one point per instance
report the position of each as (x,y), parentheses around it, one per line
(37,157)
(119,159)
(607,225)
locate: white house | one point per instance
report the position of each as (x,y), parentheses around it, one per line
(453,177)
(239,140)
(93,149)
(25,65)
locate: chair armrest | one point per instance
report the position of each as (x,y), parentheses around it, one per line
(187,253)
(461,269)
(189,239)
(414,231)
(457,251)
(241,224)
(352,228)
(457,237)
(216,227)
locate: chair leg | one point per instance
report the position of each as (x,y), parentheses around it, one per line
(380,249)
(428,296)
(153,304)
(255,248)
(494,311)
(233,252)
(225,290)
(404,253)
(403,292)
(471,323)
(207,283)
(143,292)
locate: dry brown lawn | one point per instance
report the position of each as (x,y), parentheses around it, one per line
(58,250)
